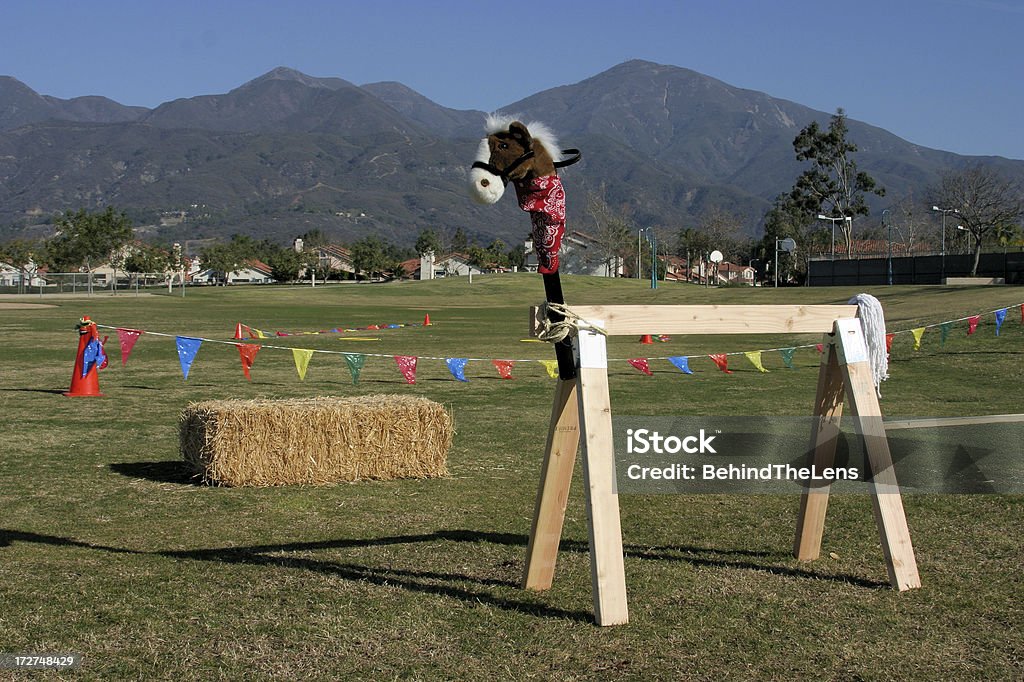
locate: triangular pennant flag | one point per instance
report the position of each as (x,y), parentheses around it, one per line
(722,360)
(888,342)
(93,356)
(821,348)
(247,352)
(407,364)
(682,363)
(127,339)
(787,356)
(260,334)
(755,359)
(944,330)
(355,364)
(918,333)
(551,366)
(251,332)
(1000,316)
(187,349)
(972,324)
(301,357)
(1022,313)
(504,368)
(641,364)
(457,366)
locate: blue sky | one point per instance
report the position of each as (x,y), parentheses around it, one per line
(947,74)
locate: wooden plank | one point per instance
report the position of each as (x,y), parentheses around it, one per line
(939,422)
(828,408)
(553,493)
(622,320)
(607,569)
(887,502)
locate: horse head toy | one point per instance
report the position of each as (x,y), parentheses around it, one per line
(528,156)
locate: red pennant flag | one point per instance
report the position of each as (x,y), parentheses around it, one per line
(247,352)
(127,338)
(722,360)
(407,364)
(972,324)
(250,332)
(821,348)
(1022,314)
(888,342)
(504,368)
(641,364)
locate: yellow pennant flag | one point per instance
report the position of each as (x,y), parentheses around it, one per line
(259,334)
(551,366)
(918,333)
(755,359)
(301,356)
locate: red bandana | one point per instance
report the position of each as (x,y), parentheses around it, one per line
(544,199)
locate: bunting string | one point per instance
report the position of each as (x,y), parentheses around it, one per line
(188,347)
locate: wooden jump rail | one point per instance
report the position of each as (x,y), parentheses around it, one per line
(582,407)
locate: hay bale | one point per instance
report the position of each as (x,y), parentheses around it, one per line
(315,441)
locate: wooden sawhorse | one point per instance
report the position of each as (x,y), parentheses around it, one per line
(583,407)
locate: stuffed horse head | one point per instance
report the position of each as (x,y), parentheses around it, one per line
(526,156)
(512,151)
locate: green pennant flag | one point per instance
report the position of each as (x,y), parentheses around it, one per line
(355,364)
(787,356)
(944,330)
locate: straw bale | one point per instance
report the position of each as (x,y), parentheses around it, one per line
(315,441)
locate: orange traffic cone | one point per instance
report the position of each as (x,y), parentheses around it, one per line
(646,338)
(426,321)
(238,331)
(85,384)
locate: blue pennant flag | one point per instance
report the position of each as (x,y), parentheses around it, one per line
(187,349)
(457,366)
(682,363)
(1000,316)
(92,355)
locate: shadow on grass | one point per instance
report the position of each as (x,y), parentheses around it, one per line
(445,583)
(174,471)
(52,391)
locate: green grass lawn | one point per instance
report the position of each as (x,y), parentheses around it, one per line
(108,549)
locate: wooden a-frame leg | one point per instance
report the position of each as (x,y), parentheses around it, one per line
(828,410)
(553,493)
(888,504)
(607,570)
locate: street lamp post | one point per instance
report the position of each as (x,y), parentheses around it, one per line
(943,211)
(887,221)
(652,240)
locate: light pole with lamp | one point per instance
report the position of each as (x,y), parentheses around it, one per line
(652,240)
(887,221)
(943,211)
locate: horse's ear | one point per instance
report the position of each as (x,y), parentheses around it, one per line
(520,133)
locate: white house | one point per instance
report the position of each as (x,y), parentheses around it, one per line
(581,254)
(253,272)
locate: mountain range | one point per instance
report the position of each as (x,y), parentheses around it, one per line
(286,153)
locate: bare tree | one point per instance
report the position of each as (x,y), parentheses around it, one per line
(615,232)
(987,204)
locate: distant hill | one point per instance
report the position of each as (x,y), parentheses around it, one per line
(287,152)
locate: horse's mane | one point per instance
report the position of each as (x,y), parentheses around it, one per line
(497,122)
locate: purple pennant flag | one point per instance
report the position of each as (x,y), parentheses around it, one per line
(1000,316)
(187,349)
(457,366)
(682,363)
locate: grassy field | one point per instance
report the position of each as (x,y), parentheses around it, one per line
(108,549)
